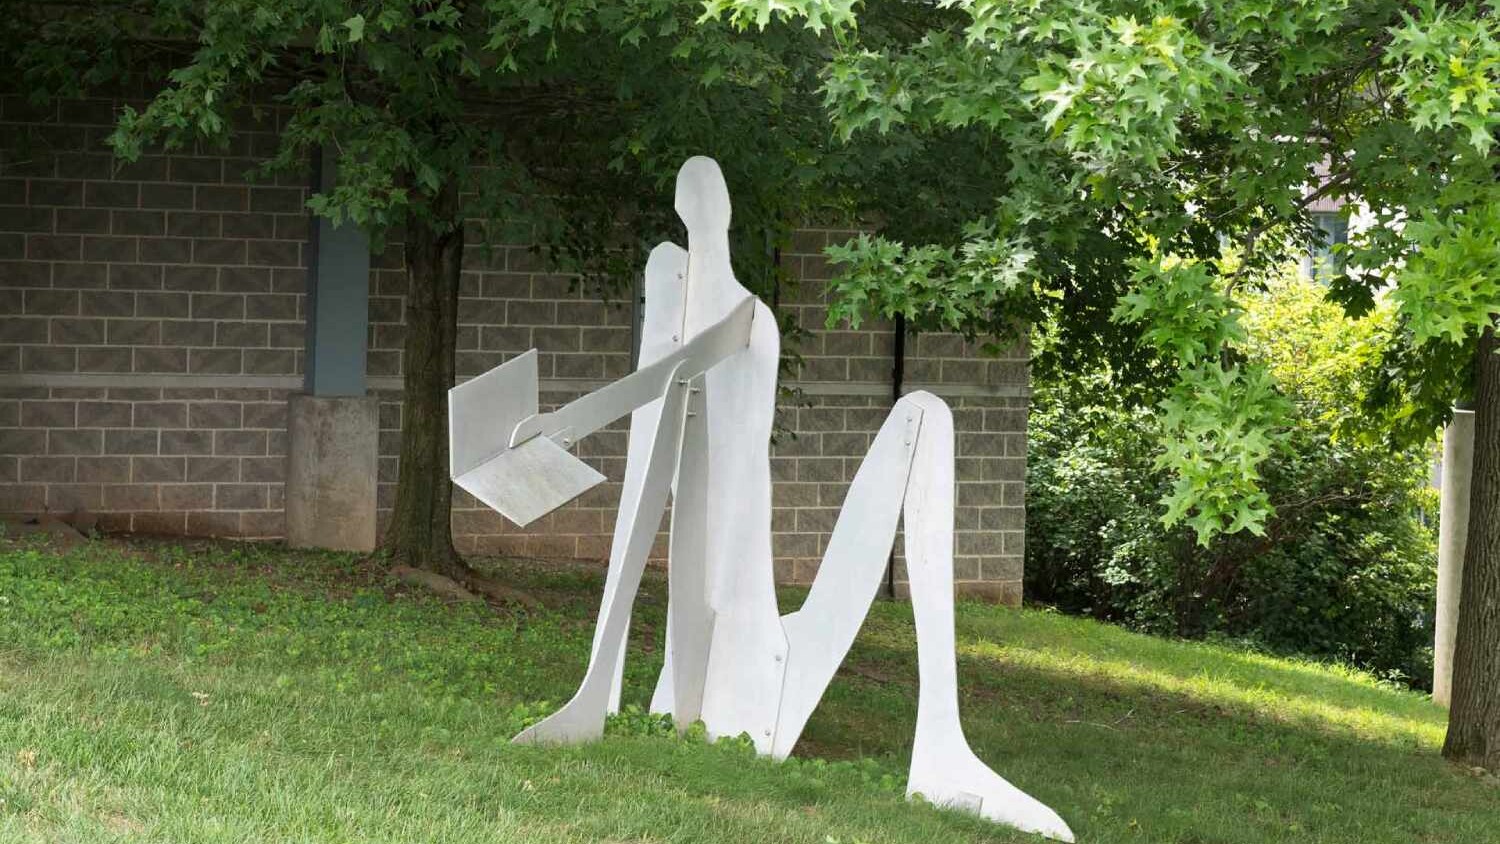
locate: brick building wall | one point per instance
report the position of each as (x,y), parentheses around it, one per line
(151,328)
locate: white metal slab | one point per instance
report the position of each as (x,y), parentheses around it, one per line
(661,335)
(529,481)
(483,411)
(820,632)
(692,620)
(943,768)
(523,483)
(587,414)
(747,652)
(582,717)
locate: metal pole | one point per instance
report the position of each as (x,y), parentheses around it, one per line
(898,375)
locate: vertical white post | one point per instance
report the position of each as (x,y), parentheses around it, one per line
(1453,531)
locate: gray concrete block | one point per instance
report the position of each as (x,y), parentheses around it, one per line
(332,462)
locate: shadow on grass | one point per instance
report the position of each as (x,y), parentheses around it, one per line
(1129,738)
(1121,750)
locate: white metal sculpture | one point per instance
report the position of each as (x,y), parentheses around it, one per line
(701,404)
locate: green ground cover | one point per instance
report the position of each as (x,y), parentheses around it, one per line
(226,693)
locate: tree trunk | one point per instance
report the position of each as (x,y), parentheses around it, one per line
(420,534)
(1474,715)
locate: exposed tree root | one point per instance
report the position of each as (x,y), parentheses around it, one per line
(460,582)
(498,591)
(440,585)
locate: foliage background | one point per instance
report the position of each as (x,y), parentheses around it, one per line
(1345,568)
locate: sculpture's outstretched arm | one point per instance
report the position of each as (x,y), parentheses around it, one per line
(587,414)
(527,472)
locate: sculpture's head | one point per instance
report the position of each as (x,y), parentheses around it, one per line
(702,199)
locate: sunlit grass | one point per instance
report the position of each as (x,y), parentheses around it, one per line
(224,693)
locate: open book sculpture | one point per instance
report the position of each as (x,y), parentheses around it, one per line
(701,404)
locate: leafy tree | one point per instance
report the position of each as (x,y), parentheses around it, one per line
(558,122)
(1142,135)
(1344,569)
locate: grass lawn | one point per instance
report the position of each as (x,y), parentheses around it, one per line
(224,693)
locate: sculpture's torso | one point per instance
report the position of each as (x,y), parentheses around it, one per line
(748,651)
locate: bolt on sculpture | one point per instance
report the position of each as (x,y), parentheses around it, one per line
(701,404)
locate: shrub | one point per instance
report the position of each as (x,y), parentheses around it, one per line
(1345,569)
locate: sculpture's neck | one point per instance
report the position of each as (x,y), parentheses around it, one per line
(711,287)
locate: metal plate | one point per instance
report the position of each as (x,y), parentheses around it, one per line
(747,654)
(943,768)
(529,481)
(661,335)
(483,411)
(820,632)
(582,717)
(587,414)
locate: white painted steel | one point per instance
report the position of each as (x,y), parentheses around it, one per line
(702,401)
(691,620)
(587,414)
(747,653)
(529,481)
(582,718)
(483,411)
(532,478)
(521,483)
(943,768)
(820,632)
(661,335)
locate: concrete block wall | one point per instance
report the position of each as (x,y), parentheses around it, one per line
(151,327)
(193,461)
(846,389)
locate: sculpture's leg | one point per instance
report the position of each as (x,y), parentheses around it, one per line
(582,717)
(661,334)
(645,424)
(943,768)
(909,468)
(662,697)
(690,619)
(820,633)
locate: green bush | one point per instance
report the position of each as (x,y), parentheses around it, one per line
(1344,570)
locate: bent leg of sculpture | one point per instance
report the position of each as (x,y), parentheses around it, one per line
(820,632)
(909,469)
(943,768)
